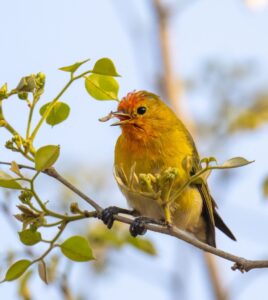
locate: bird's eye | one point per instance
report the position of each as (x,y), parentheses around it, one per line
(141,110)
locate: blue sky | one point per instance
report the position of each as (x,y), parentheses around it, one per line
(45,35)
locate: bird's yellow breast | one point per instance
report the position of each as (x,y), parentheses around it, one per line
(152,155)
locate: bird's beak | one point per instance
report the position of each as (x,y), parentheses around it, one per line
(124,118)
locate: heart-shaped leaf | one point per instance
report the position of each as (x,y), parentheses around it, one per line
(102,87)
(59,112)
(105,66)
(30,237)
(77,248)
(46,156)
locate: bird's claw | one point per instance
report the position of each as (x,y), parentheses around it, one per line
(137,227)
(107,215)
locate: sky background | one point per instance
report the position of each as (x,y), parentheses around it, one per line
(45,35)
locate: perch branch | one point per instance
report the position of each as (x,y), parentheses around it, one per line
(240,263)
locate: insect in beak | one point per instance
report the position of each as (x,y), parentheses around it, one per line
(124,118)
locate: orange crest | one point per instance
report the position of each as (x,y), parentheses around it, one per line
(129,102)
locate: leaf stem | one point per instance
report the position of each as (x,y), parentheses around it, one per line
(32,106)
(50,106)
(52,243)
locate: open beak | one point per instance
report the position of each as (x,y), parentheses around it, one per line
(124,118)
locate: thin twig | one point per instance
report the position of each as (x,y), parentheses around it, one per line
(53,173)
(240,263)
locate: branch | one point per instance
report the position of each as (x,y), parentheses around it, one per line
(240,263)
(53,173)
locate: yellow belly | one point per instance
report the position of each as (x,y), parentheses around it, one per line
(185,210)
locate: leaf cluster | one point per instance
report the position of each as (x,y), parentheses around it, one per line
(100,84)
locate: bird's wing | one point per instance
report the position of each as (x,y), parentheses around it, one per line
(209,212)
(208,204)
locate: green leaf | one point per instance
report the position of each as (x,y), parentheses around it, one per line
(102,87)
(10,184)
(143,245)
(17,269)
(77,248)
(105,66)
(46,156)
(72,68)
(235,162)
(6,181)
(30,237)
(59,112)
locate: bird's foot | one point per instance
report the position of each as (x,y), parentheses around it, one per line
(138,226)
(107,214)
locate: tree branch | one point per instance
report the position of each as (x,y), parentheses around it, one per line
(53,173)
(240,263)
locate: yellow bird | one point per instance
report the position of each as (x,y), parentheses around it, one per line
(153,140)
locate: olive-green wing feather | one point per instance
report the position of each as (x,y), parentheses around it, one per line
(208,208)
(209,212)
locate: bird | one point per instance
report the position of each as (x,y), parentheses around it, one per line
(153,139)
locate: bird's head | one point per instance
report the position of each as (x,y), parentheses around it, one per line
(142,113)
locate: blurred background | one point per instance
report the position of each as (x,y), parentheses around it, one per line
(209,60)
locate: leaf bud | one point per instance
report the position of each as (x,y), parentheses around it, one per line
(3,92)
(17,140)
(74,208)
(23,95)
(27,84)
(25,196)
(10,145)
(40,80)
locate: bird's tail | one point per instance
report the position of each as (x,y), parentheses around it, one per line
(222,226)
